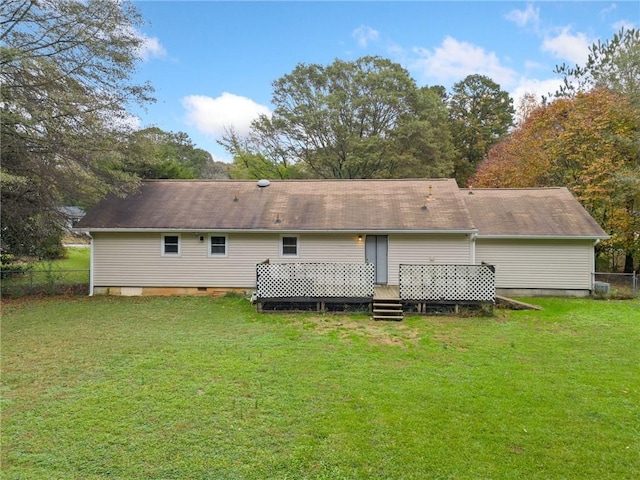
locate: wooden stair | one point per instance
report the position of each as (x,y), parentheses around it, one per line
(387,309)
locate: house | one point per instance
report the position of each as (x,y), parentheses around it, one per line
(72,216)
(207,236)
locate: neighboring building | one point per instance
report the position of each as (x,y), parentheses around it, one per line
(207,236)
(72,215)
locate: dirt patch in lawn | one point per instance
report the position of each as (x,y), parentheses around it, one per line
(377,333)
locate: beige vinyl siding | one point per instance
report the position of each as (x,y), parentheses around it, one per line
(426,249)
(136,260)
(539,264)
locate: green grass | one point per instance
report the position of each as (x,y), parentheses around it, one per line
(76,258)
(192,388)
(66,275)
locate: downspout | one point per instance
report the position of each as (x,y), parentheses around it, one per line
(593,263)
(90,266)
(472,248)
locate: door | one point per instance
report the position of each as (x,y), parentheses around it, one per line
(376,250)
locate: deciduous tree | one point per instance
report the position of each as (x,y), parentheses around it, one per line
(65,83)
(360,119)
(154,153)
(585,143)
(614,65)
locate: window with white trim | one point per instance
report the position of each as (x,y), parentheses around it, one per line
(170,245)
(289,246)
(217,246)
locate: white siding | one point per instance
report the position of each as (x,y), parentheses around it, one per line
(539,264)
(426,249)
(135,259)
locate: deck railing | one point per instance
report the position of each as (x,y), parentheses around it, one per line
(314,280)
(447,283)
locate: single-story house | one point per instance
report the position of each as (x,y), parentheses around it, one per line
(207,236)
(72,216)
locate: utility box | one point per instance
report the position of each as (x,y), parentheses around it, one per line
(601,288)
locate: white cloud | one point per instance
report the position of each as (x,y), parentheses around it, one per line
(522,18)
(608,10)
(455,60)
(626,24)
(151,48)
(213,115)
(573,47)
(364,35)
(539,88)
(533,65)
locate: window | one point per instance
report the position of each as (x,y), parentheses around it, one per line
(217,245)
(289,246)
(171,245)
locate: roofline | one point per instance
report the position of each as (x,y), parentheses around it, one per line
(256,230)
(543,237)
(504,189)
(292,180)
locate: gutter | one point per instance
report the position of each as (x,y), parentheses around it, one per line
(545,237)
(265,230)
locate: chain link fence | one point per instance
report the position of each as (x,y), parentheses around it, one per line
(21,282)
(616,285)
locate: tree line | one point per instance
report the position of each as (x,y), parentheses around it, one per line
(66,138)
(368,119)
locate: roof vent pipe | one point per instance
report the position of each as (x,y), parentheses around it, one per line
(263,183)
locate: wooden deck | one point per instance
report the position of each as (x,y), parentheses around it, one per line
(386,292)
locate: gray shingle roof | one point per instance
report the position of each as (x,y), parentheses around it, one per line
(530,212)
(293,205)
(344,205)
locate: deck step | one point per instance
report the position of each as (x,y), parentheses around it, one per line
(389,317)
(387,309)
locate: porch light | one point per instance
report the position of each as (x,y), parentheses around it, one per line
(359,238)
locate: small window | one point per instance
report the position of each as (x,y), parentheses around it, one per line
(217,245)
(171,245)
(289,246)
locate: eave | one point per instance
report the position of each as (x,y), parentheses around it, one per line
(288,230)
(543,237)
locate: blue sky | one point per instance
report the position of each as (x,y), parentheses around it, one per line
(212,63)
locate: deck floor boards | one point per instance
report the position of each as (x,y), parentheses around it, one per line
(386,292)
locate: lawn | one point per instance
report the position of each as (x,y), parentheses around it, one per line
(194,388)
(66,275)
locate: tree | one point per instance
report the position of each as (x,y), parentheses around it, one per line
(422,145)
(527,105)
(585,143)
(613,65)
(358,119)
(481,115)
(258,156)
(65,88)
(154,153)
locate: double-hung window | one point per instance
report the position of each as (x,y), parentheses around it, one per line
(170,245)
(218,246)
(289,246)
